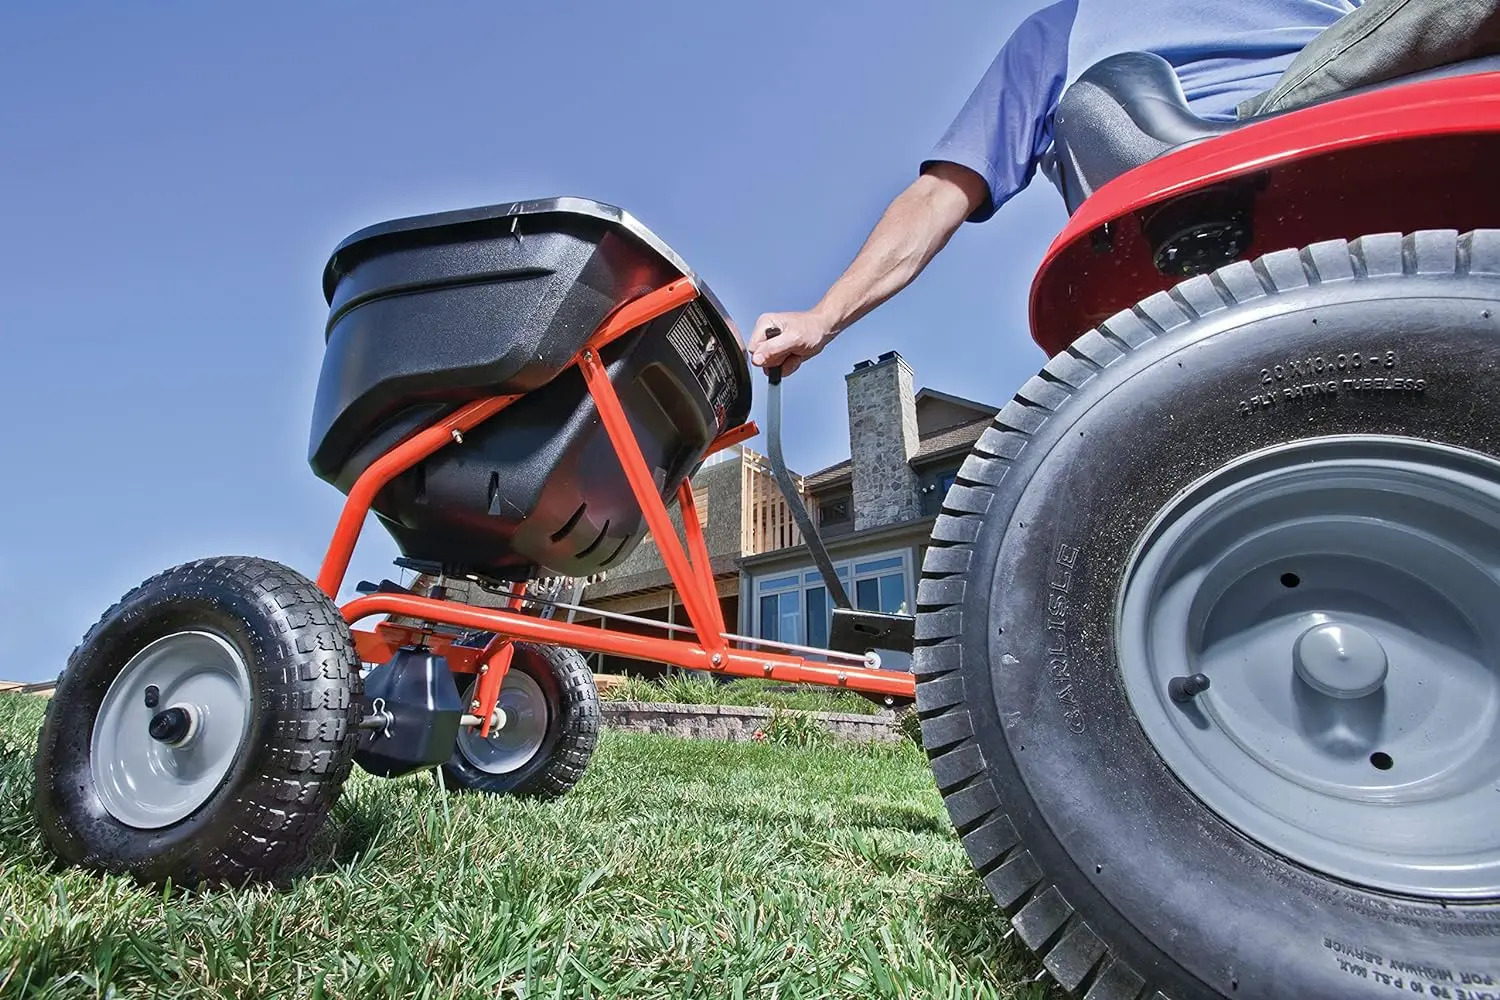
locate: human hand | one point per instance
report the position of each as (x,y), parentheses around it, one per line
(788,339)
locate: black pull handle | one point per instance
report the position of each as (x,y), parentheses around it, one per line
(810,537)
(773,373)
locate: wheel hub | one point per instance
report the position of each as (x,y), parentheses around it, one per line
(1334,600)
(174,726)
(154,766)
(1340,660)
(519,729)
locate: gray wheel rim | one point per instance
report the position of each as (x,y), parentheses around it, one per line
(1342,596)
(512,746)
(150,784)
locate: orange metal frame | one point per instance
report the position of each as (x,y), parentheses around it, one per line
(687,564)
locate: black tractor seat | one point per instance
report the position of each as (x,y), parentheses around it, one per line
(1129,109)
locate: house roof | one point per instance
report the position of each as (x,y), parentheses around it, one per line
(719,565)
(981,409)
(829,476)
(914,530)
(950,438)
(932,445)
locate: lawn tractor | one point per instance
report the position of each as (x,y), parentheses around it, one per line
(1207,643)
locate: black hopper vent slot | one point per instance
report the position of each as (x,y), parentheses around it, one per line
(567,529)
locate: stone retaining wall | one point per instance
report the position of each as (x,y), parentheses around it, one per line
(736,722)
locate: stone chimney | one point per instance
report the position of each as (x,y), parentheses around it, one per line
(882,440)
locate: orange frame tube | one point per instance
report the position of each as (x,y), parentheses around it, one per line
(644,487)
(697,551)
(494,664)
(674,652)
(688,566)
(388,467)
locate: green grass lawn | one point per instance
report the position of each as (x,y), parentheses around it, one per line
(675,869)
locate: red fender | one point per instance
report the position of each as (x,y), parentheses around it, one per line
(1418,156)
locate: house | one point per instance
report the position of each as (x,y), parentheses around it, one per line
(874,511)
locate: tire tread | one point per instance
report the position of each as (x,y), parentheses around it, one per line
(313,705)
(1079,960)
(577,737)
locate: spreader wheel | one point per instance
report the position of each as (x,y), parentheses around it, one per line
(1209,674)
(202,729)
(548,727)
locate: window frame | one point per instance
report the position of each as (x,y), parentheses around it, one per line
(804,579)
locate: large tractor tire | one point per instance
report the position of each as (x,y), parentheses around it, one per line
(203,729)
(1279,481)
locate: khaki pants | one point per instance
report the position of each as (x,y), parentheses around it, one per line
(1383,40)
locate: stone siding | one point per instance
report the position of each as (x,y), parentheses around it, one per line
(735,723)
(882,440)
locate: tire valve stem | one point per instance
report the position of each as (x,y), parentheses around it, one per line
(1185,689)
(153,696)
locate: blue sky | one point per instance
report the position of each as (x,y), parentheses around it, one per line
(173,176)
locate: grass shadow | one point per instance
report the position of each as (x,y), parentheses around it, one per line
(966,927)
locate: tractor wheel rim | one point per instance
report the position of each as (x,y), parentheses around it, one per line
(1342,596)
(150,782)
(512,746)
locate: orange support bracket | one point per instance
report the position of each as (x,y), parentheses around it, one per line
(699,568)
(643,486)
(381,643)
(494,664)
(638,312)
(732,437)
(387,467)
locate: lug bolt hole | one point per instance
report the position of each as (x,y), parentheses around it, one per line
(1382,760)
(1290,580)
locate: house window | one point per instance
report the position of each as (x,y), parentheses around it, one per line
(779,608)
(819,615)
(796,608)
(936,489)
(880,584)
(833,510)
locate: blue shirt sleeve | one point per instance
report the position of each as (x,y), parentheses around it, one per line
(1006,125)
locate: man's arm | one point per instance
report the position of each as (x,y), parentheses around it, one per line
(988,154)
(914,227)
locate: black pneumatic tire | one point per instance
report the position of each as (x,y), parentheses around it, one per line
(288,768)
(572,729)
(1114,873)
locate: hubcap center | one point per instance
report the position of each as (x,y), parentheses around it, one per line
(173,726)
(1340,660)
